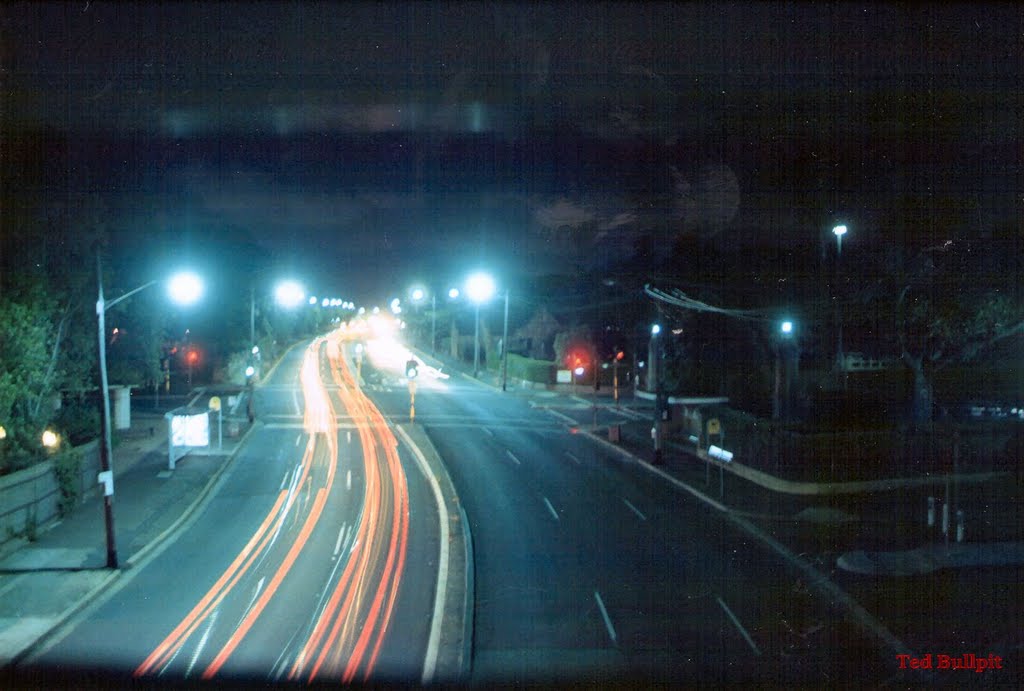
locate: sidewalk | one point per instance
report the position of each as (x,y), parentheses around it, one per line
(45,582)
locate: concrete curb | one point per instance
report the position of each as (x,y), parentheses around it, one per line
(777,484)
(160,540)
(455,639)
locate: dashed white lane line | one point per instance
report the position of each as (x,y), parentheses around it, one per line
(607,620)
(550,508)
(348,480)
(743,631)
(572,458)
(513,457)
(489,432)
(341,535)
(635,510)
(298,438)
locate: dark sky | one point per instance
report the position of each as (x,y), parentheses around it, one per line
(346,133)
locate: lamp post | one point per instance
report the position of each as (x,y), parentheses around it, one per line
(184,288)
(480,288)
(785,335)
(657,359)
(504,347)
(839,232)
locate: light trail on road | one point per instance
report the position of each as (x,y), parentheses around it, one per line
(346,634)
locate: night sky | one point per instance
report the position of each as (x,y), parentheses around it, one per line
(369,144)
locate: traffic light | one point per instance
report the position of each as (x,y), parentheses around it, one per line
(620,355)
(411,369)
(193,357)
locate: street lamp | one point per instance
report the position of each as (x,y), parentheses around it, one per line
(839,232)
(183,288)
(785,340)
(480,288)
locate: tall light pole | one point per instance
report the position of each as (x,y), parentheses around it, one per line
(780,410)
(480,288)
(504,347)
(839,232)
(184,288)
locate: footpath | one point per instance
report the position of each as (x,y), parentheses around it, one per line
(46,581)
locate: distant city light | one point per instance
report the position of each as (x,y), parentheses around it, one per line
(453,293)
(656,329)
(839,230)
(787,327)
(312,299)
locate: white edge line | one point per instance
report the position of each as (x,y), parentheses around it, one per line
(634,509)
(572,458)
(753,646)
(607,619)
(550,508)
(513,457)
(433,642)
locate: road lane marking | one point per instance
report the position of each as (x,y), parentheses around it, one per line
(348,436)
(348,480)
(513,457)
(341,535)
(298,438)
(573,458)
(550,508)
(284,481)
(635,510)
(202,644)
(750,641)
(489,432)
(295,400)
(607,619)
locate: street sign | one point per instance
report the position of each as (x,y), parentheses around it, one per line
(714,426)
(215,403)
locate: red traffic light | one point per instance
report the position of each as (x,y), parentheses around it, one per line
(619,355)
(193,357)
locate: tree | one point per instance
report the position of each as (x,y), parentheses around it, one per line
(950,308)
(31,333)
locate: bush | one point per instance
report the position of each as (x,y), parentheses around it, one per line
(519,367)
(79,422)
(67,467)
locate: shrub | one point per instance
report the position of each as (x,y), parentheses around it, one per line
(67,467)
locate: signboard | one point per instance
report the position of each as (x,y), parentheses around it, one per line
(714,426)
(190,430)
(563,376)
(215,403)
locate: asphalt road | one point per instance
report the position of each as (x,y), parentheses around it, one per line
(314,559)
(589,568)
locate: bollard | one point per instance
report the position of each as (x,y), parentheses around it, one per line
(931,512)
(960,527)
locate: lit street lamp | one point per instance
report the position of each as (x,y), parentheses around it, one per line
(785,341)
(480,288)
(839,232)
(183,288)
